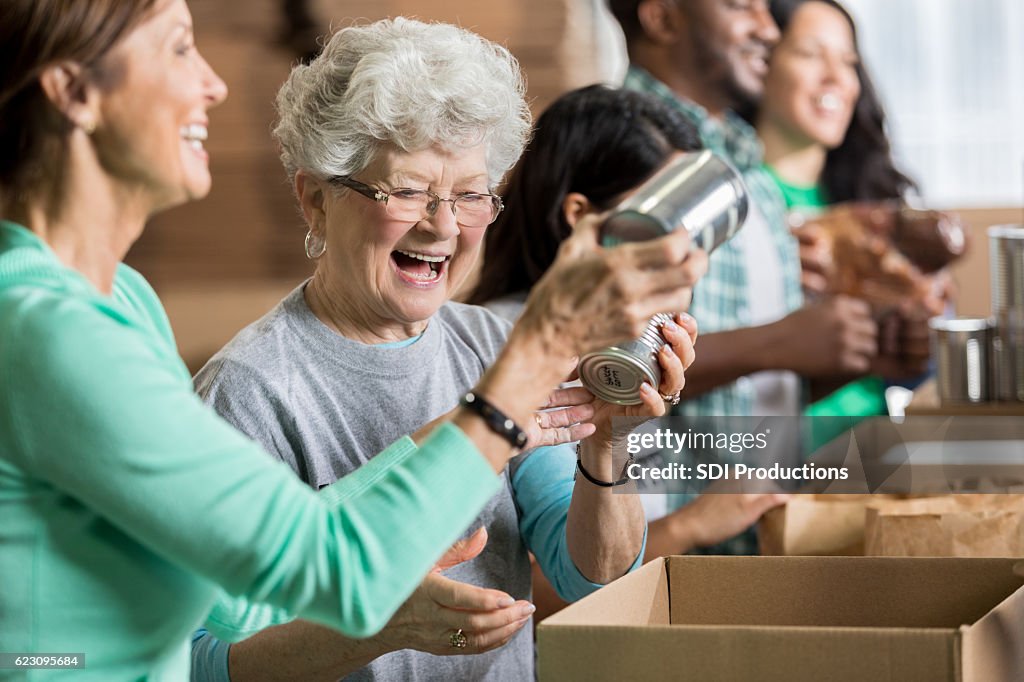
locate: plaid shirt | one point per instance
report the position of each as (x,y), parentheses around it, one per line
(720,299)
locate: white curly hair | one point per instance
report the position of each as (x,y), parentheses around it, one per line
(406,83)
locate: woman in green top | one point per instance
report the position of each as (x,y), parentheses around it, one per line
(824,136)
(127,505)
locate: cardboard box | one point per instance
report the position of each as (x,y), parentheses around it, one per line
(795,619)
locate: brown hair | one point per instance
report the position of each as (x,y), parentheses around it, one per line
(35,34)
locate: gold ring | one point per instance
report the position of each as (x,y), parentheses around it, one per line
(458,640)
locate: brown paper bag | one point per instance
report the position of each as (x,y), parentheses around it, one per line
(949,526)
(816,525)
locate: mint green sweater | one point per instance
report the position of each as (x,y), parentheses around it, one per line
(127,506)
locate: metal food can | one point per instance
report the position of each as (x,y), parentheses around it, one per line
(699,192)
(615,373)
(1006,250)
(960,347)
(1008,359)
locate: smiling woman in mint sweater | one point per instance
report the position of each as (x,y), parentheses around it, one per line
(127,506)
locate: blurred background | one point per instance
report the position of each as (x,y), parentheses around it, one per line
(951,74)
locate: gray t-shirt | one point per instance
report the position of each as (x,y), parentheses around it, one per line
(325,405)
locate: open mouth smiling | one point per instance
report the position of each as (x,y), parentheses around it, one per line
(420,268)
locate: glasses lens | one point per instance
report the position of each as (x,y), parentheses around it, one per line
(408,204)
(476,210)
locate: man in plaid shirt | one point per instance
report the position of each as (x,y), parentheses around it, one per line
(708,59)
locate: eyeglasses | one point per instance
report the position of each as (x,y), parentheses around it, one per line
(470,209)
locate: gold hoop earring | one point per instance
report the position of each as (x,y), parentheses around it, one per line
(315,245)
(88,126)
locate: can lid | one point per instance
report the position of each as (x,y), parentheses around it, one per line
(615,375)
(960,324)
(1006,232)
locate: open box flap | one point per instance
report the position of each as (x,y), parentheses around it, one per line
(993,647)
(640,598)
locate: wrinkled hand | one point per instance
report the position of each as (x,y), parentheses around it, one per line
(835,336)
(593,297)
(675,357)
(567,417)
(440,606)
(716,517)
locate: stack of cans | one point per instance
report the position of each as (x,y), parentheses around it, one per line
(1006,244)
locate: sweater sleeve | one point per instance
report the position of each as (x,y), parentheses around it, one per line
(235,618)
(99,411)
(543,484)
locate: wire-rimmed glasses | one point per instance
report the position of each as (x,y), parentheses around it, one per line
(471,209)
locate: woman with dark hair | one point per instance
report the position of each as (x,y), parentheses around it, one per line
(128,506)
(591,148)
(820,118)
(825,142)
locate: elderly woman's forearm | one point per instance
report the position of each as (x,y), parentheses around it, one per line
(605,530)
(518,383)
(300,650)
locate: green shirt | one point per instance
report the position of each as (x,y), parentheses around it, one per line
(128,506)
(799,196)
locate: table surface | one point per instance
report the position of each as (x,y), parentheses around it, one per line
(926,402)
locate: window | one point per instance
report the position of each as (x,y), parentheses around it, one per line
(951,77)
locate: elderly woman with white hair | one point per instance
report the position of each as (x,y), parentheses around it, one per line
(395,139)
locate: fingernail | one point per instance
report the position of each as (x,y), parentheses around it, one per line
(506,602)
(685,318)
(671,326)
(527,610)
(646,388)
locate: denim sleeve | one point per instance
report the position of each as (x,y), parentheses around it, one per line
(543,484)
(209,658)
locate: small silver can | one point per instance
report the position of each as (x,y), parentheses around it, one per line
(615,373)
(1006,251)
(960,347)
(699,192)
(1008,359)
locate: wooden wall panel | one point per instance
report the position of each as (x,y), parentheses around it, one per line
(248,228)
(221,262)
